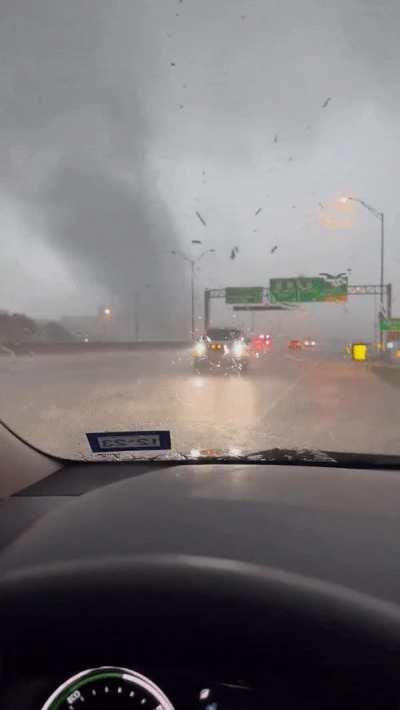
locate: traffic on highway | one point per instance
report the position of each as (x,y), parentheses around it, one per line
(282,398)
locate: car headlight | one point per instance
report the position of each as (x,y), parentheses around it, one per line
(238,348)
(199,349)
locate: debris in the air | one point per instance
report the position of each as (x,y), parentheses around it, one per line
(242,17)
(204,223)
(276,138)
(273,250)
(258,211)
(326,102)
(234,252)
(181,106)
(254,230)
(184,86)
(290,159)
(308,127)
(172,64)
(293,207)
(196,241)
(322,206)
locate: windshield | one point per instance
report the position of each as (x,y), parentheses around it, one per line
(176,168)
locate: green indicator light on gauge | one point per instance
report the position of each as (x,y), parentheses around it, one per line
(108,688)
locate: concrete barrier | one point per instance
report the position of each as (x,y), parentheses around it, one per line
(79,348)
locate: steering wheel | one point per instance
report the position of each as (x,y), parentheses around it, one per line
(193,612)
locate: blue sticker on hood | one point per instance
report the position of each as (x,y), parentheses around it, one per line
(106,441)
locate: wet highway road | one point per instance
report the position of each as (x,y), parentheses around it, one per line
(286,400)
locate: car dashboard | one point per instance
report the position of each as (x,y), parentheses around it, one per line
(213,527)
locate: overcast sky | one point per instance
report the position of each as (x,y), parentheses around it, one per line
(120,120)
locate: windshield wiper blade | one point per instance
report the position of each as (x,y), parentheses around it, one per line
(318,457)
(277,456)
(293,456)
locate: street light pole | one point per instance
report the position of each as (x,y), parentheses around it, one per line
(192,263)
(382,284)
(137,307)
(106,315)
(137,325)
(379,215)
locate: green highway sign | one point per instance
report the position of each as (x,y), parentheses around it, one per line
(391,324)
(283,290)
(303,289)
(251,294)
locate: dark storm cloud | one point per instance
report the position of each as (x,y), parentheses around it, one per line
(74,138)
(92,133)
(103,222)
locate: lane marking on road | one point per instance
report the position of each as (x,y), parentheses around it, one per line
(289,389)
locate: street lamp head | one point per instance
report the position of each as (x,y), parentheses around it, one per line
(344,199)
(107,311)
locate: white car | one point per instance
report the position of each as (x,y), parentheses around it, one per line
(221,348)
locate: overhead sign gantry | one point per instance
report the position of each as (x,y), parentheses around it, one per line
(258,298)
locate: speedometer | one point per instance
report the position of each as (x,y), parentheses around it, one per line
(108,688)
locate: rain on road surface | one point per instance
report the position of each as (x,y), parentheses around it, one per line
(286,400)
